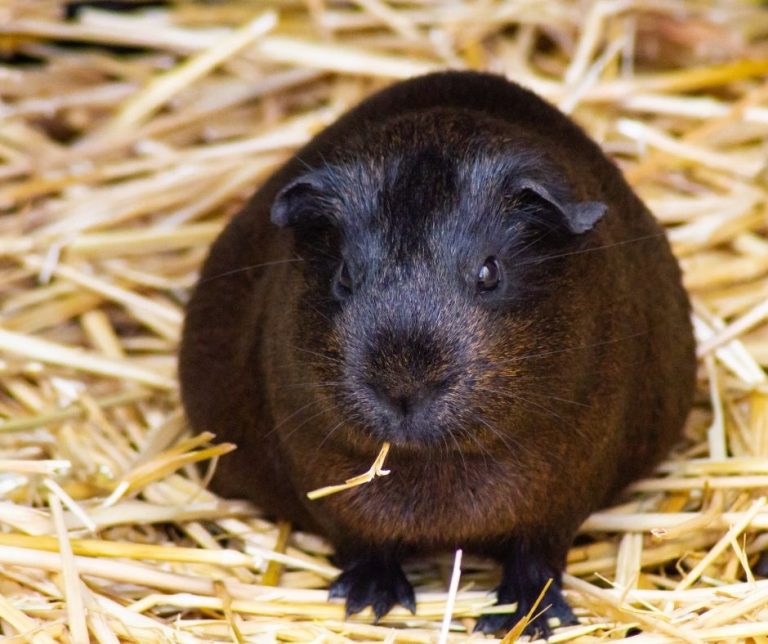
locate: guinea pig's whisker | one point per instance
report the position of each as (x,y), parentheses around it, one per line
(322,356)
(320,313)
(541,354)
(314,401)
(442,449)
(483,449)
(557,398)
(523,400)
(460,452)
(250,267)
(519,251)
(321,251)
(328,435)
(494,431)
(288,435)
(535,407)
(303,364)
(312,385)
(582,251)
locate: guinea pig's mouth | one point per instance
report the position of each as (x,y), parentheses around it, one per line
(411,409)
(408,437)
(367,436)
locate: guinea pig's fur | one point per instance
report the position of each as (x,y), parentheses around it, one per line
(456,268)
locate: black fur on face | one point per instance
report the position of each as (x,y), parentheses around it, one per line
(419,258)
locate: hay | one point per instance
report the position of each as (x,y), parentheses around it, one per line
(117,169)
(377,469)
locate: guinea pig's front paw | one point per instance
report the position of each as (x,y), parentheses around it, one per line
(379,583)
(522,585)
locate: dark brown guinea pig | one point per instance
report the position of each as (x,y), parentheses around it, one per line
(456,268)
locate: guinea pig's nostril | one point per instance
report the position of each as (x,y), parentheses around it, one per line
(403,404)
(407,399)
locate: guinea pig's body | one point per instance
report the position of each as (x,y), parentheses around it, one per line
(459,270)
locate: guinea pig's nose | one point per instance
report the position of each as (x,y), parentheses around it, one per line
(404,399)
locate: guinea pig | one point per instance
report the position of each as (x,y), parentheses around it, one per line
(455,268)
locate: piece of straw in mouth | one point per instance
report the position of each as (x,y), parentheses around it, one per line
(374,471)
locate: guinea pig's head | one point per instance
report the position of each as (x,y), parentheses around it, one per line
(433,248)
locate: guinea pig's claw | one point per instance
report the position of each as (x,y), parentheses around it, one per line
(375,583)
(553,605)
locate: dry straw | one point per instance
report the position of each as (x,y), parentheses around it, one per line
(375,470)
(119,166)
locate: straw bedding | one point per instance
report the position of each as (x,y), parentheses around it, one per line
(119,166)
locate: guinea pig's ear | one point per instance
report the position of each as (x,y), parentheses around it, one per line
(302,199)
(576,217)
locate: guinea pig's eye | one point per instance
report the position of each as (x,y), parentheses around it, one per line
(489,275)
(342,284)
